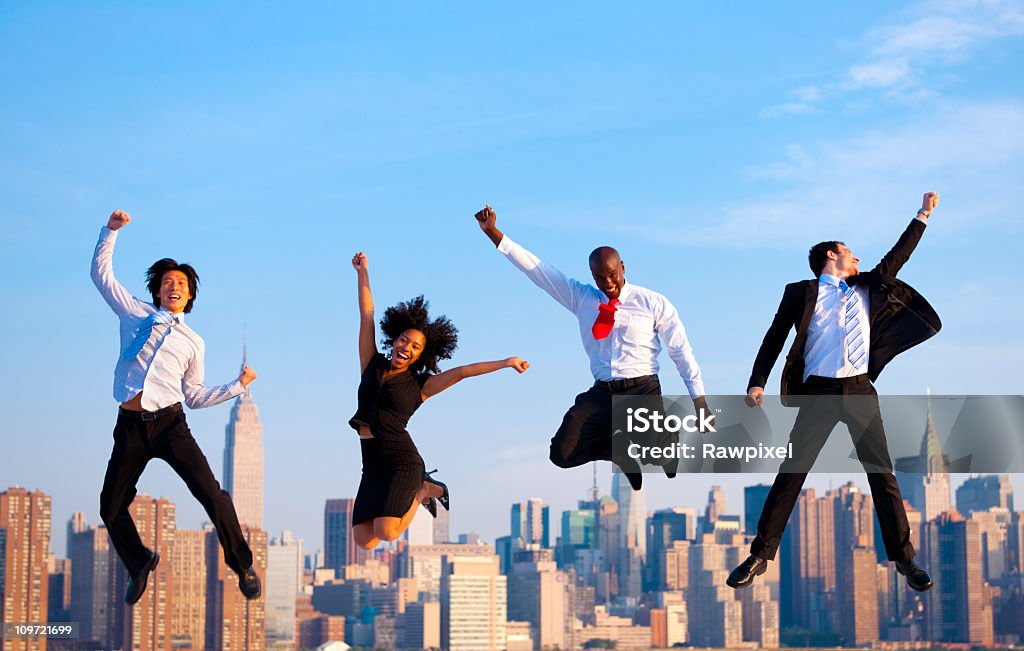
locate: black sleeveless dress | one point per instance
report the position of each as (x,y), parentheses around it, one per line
(392,466)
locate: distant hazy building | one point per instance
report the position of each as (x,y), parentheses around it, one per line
(537,594)
(281,588)
(340,548)
(924,479)
(530,520)
(243,460)
(76,524)
(97,588)
(983,492)
(807,562)
(753,503)
(424,563)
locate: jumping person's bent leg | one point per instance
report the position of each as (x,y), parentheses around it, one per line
(128,459)
(585,432)
(363,536)
(177,447)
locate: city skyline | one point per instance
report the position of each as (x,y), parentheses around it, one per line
(267,145)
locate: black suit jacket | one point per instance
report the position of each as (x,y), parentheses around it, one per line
(900,318)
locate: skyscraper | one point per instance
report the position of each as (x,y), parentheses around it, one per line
(924,479)
(982,492)
(340,548)
(24,555)
(97,588)
(234,623)
(530,520)
(807,563)
(632,544)
(473,604)
(76,524)
(537,594)
(148,623)
(753,503)
(188,617)
(959,607)
(664,528)
(243,459)
(282,588)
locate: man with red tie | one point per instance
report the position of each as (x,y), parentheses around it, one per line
(620,325)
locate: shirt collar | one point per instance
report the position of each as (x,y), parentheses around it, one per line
(180,317)
(828,279)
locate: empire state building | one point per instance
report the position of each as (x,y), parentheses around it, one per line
(243,459)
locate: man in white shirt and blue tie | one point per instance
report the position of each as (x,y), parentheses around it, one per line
(159,367)
(849,325)
(620,325)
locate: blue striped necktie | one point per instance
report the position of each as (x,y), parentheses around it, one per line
(160,317)
(856,347)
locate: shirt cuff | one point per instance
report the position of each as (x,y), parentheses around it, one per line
(506,245)
(107,234)
(236,389)
(923,221)
(695,387)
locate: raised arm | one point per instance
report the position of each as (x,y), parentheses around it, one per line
(102,271)
(898,255)
(367,341)
(560,287)
(198,396)
(435,384)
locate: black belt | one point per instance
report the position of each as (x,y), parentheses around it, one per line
(150,415)
(625,383)
(837,381)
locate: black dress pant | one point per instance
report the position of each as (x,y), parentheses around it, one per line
(827,402)
(585,434)
(139,437)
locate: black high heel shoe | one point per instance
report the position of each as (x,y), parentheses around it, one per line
(431,506)
(444,499)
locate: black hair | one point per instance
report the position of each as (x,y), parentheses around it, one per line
(155,276)
(441,334)
(817,257)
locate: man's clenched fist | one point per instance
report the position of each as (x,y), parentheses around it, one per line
(118,218)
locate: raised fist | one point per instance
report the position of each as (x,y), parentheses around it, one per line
(518,363)
(247,375)
(931,199)
(360,263)
(486,218)
(755,397)
(117,219)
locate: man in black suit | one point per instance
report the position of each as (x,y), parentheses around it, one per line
(849,325)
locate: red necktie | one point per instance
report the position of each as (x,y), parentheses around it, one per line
(605,319)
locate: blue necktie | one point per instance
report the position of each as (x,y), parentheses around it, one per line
(159,317)
(856,347)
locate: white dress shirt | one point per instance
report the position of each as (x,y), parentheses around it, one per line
(170,367)
(631,350)
(825,349)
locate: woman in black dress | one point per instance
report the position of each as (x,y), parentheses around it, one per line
(390,390)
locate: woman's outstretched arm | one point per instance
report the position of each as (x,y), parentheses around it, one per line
(438,383)
(367,338)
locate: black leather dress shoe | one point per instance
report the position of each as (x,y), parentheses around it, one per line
(917,577)
(670,468)
(636,479)
(249,584)
(137,583)
(745,572)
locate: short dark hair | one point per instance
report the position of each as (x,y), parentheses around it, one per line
(155,276)
(441,334)
(817,257)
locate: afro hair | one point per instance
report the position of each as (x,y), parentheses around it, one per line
(441,334)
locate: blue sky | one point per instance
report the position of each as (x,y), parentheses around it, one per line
(711,144)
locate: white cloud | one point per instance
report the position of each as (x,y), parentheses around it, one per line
(899,55)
